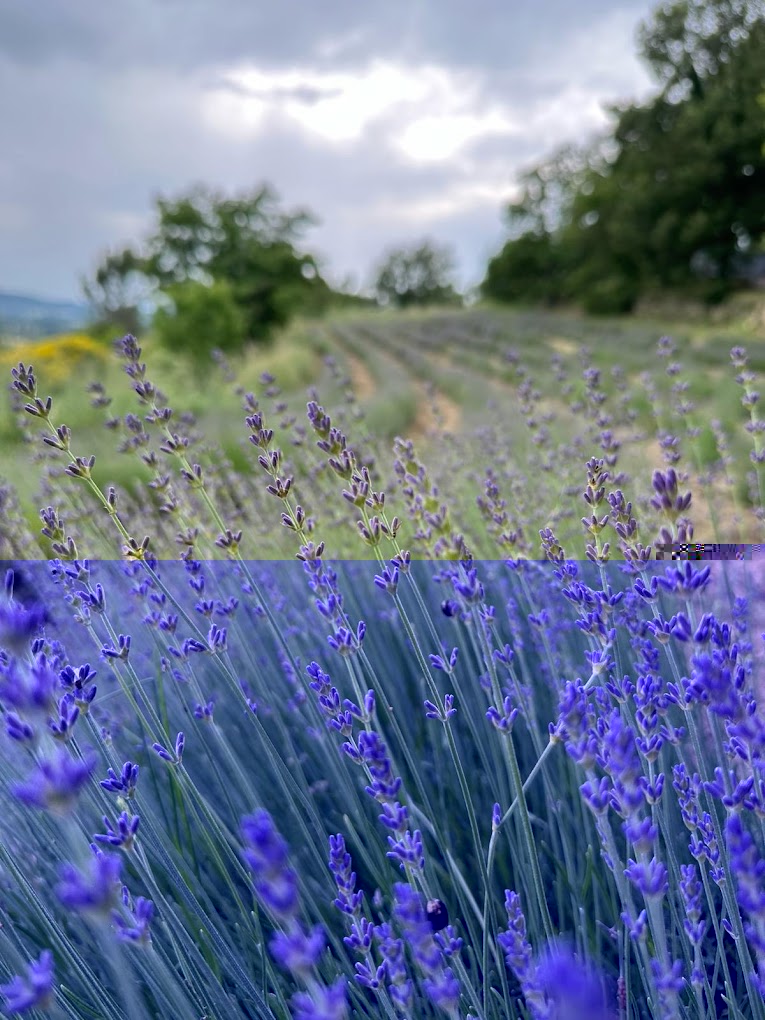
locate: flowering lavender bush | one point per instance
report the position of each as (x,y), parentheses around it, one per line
(428,786)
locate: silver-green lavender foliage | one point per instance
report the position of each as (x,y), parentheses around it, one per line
(505,790)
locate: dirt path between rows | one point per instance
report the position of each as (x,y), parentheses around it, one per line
(362,380)
(641,459)
(436,413)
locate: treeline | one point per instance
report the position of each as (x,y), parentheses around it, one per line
(227,271)
(673,199)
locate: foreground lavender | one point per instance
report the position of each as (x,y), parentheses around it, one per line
(518,789)
(450,788)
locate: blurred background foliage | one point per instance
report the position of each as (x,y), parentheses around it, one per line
(673,198)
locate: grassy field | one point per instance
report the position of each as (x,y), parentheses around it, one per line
(485,387)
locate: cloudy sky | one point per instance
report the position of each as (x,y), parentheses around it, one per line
(392,121)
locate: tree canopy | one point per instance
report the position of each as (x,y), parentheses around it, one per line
(672,197)
(204,238)
(421,274)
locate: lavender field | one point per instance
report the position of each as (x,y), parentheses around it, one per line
(392,684)
(520,400)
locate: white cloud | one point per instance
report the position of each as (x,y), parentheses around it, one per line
(437,137)
(336,107)
(425,113)
(599,58)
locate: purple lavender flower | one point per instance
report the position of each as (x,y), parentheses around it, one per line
(620,759)
(669,984)
(694,924)
(35,991)
(75,681)
(439,984)
(649,876)
(442,714)
(576,722)
(68,713)
(163,753)
(685,580)
(30,690)
(360,939)
(388,580)
(748,867)
(407,850)
(19,730)
(205,712)
(122,837)
(121,652)
(503,722)
(56,782)
(18,624)
(125,783)
(518,954)
(572,988)
(94,893)
(443,663)
(348,899)
(400,985)
(136,929)
(322,1003)
(297,951)
(374,754)
(266,856)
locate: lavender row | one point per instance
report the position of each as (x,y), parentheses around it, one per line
(520,436)
(321,790)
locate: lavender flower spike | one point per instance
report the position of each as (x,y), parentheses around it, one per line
(322,1004)
(55,783)
(570,986)
(18,624)
(33,992)
(266,856)
(95,893)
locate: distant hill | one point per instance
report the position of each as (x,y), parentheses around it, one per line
(31,317)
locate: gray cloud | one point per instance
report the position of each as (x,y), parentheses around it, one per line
(192,33)
(104,106)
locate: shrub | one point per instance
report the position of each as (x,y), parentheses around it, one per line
(202,318)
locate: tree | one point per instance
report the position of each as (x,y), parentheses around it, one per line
(671,199)
(528,270)
(532,266)
(205,237)
(115,292)
(417,275)
(686,42)
(198,318)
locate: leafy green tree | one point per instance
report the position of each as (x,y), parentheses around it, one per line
(198,318)
(672,198)
(686,42)
(532,267)
(528,270)
(246,241)
(417,275)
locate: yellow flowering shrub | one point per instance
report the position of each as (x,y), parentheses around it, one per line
(58,356)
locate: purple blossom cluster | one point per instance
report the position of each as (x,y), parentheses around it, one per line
(294,949)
